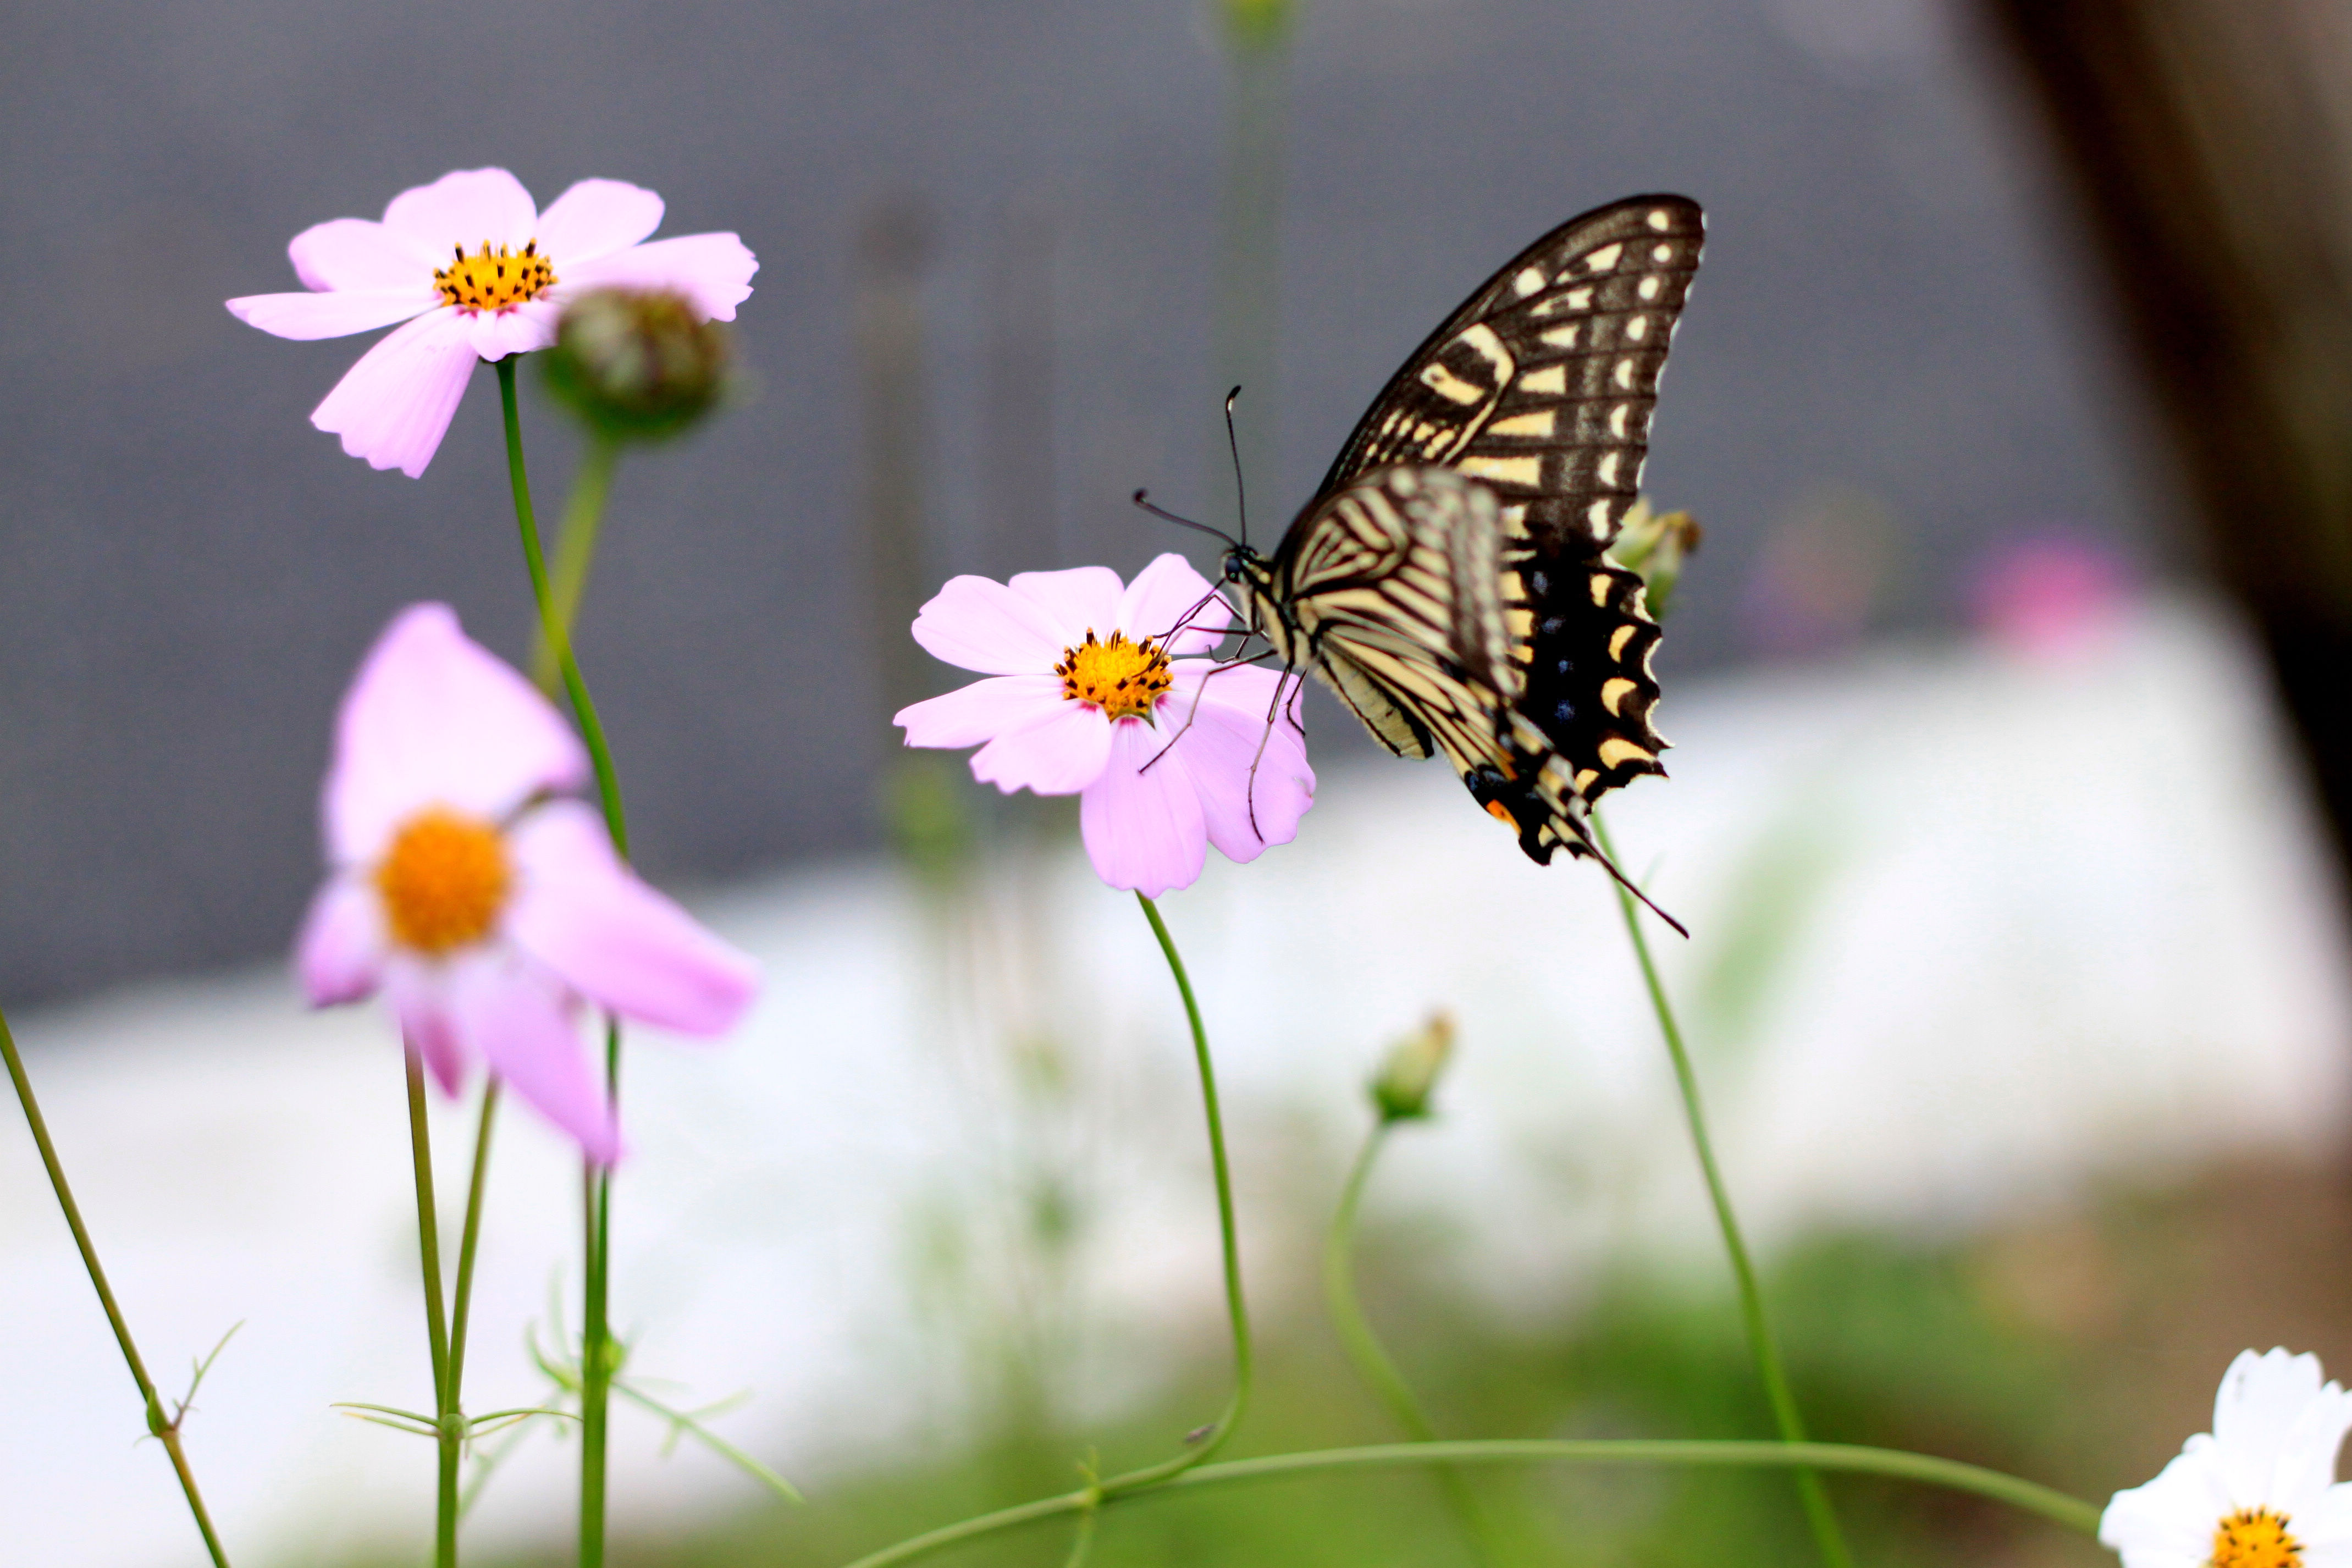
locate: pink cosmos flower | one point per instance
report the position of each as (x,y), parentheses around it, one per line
(2049,595)
(477,272)
(484,912)
(1089,696)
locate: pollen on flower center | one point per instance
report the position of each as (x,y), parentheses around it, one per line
(494,278)
(1121,678)
(444,880)
(2255,1538)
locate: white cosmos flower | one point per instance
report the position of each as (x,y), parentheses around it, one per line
(2259,1490)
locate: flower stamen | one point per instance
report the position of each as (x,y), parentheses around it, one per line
(1123,679)
(443,881)
(2255,1538)
(494,279)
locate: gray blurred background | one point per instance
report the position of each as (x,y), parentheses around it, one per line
(1888,365)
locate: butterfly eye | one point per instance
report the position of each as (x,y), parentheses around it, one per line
(1234,568)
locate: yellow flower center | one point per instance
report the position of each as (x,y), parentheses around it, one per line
(1121,678)
(2255,1538)
(494,279)
(444,880)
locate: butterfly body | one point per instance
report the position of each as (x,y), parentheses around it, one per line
(1448,578)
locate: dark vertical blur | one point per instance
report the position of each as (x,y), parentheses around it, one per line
(1016,415)
(2207,143)
(893,248)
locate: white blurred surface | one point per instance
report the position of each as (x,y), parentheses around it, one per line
(1972,930)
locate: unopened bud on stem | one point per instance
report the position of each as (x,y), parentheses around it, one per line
(1402,1089)
(636,365)
(1653,545)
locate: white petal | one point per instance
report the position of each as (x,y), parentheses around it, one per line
(2261,1399)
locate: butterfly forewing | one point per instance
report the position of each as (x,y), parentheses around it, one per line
(1542,384)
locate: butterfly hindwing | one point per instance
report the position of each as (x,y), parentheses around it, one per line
(1393,585)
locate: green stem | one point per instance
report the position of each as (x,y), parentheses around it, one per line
(1236,1311)
(597,1356)
(461,1301)
(165,1429)
(575,550)
(436,1328)
(2026,1496)
(599,1360)
(550,626)
(1372,1358)
(1761,1342)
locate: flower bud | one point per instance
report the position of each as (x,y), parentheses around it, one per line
(1257,23)
(1653,545)
(636,365)
(1402,1090)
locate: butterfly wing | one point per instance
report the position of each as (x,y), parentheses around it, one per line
(1393,583)
(1541,387)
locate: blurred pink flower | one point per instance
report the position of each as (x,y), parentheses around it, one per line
(483,911)
(477,272)
(1087,689)
(2048,593)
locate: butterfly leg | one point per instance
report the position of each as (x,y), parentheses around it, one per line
(1273,709)
(1194,711)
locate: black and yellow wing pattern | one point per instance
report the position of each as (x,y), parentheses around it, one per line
(1532,674)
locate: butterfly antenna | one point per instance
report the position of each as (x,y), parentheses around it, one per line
(1233,445)
(1142,499)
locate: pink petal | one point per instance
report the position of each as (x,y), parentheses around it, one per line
(419,995)
(434,719)
(618,943)
(982,625)
(393,406)
(350,253)
(714,271)
(515,330)
(521,1022)
(308,317)
(339,957)
(467,207)
(1061,754)
(1143,831)
(1082,599)
(1221,747)
(1162,595)
(596,217)
(980,712)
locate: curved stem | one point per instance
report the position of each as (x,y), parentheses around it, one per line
(436,1327)
(2028,1496)
(1370,1358)
(1761,1344)
(598,1357)
(1236,1310)
(166,1430)
(1363,1347)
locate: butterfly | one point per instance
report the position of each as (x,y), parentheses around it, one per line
(1448,578)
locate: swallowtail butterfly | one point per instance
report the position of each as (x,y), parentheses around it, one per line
(1447,580)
